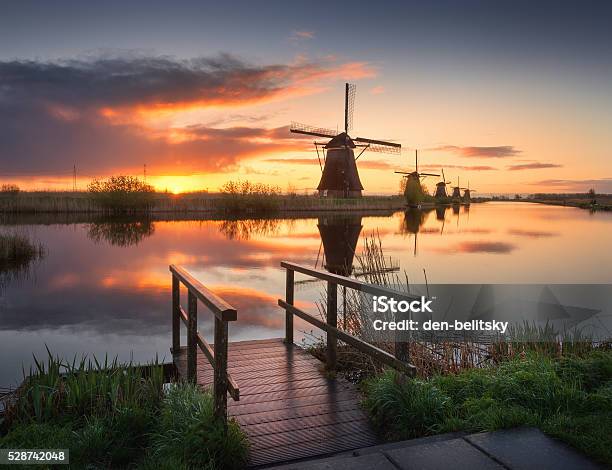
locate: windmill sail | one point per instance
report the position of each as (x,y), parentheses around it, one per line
(299,128)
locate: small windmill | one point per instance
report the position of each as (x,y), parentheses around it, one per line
(441,187)
(340,177)
(413,181)
(467,193)
(457,190)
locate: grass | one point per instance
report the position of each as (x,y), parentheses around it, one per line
(113,415)
(17,252)
(569,398)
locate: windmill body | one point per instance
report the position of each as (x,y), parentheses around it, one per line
(441,188)
(413,191)
(340,177)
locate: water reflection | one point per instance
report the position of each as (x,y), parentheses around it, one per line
(99,286)
(339,236)
(122,231)
(413,219)
(245,229)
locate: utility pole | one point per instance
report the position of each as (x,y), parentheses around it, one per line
(145,172)
(74,178)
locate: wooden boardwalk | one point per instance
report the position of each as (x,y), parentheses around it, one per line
(288,408)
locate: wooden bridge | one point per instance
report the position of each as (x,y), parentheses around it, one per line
(284,398)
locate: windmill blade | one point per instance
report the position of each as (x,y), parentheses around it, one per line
(403,172)
(349,106)
(428,174)
(299,128)
(380,146)
(443,177)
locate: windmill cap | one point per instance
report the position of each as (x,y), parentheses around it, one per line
(341,140)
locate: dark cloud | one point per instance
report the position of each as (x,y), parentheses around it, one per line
(89,111)
(532,233)
(533,166)
(501,151)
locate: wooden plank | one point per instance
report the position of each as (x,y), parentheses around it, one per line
(239,409)
(357,343)
(289,425)
(297,412)
(317,434)
(332,321)
(220,369)
(289,290)
(192,324)
(176,319)
(299,450)
(219,307)
(293,393)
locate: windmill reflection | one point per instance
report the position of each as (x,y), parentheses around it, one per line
(339,237)
(414,218)
(121,231)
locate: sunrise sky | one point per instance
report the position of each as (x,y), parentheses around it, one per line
(512,96)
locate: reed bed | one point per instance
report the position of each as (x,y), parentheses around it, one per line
(118,415)
(17,253)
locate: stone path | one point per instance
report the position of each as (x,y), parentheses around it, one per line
(514,449)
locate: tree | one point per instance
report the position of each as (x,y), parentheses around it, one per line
(122,193)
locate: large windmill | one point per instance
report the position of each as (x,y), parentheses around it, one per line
(441,187)
(340,177)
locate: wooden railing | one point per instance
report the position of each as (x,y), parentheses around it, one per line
(399,361)
(216,355)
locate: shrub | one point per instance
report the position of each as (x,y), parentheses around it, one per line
(244,196)
(570,398)
(122,194)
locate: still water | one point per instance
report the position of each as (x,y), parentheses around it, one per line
(104,286)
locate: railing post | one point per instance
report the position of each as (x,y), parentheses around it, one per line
(192,328)
(220,372)
(176,319)
(289,299)
(332,320)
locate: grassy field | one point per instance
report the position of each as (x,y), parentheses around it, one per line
(584,201)
(113,415)
(82,202)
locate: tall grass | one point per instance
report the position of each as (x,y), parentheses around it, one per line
(114,415)
(436,355)
(17,253)
(570,398)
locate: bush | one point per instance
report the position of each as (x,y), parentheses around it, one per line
(244,196)
(562,397)
(122,194)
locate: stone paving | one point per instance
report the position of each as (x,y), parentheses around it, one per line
(514,449)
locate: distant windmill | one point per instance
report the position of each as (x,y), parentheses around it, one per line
(441,187)
(415,175)
(467,193)
(457,190)
(340,177)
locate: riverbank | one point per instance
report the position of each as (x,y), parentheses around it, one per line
(210,203)
(599,202)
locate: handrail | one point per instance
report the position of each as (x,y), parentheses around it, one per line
(348,282)
(216,304)
(217,355)
(330,326)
